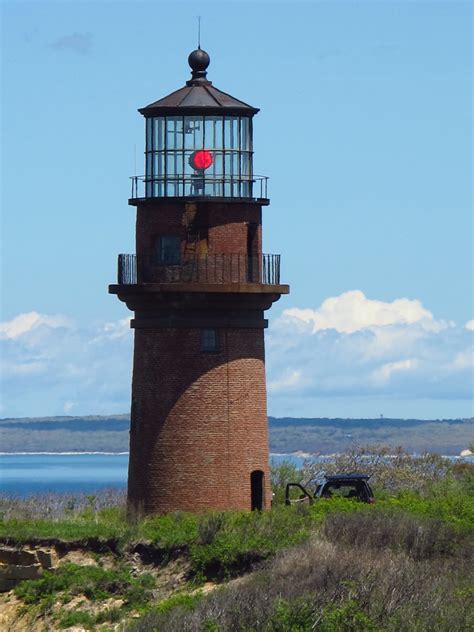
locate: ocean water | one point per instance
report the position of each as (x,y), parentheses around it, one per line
(26,474)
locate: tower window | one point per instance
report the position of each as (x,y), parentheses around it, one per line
(169,250)
(209,340)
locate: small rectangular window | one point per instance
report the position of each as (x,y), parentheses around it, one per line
(169,250)
(209,340)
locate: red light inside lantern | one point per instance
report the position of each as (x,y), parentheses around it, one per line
(201,159)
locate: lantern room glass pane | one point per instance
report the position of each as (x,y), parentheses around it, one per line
(159,134)
(171,142)
(193,132)
(244,133)
(245,164)
(231,132)
(218,164)
(213,133)
(174,132)
(149,134)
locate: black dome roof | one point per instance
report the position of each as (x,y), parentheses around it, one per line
(198,95)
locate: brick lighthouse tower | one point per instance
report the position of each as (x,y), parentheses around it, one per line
(198,285)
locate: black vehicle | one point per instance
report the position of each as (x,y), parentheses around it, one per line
(341,485)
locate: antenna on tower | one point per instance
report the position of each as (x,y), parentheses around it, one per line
(199,31)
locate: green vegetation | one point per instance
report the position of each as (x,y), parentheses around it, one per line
(95,584)
(336,565)
(329,583)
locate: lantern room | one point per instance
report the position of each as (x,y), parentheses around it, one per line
(199,143)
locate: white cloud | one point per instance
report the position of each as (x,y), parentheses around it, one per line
(24,323)
(469,325)
(353,311)
(68,406)
(351,346)
(50,365)
(385,372)
(288,381)
(115,330)
(463,360)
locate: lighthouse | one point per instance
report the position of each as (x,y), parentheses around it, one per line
(198,286)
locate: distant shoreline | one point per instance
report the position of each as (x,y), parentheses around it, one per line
(297,437)
(297,454)
(62,453)
(71,453)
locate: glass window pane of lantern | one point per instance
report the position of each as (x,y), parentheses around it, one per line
(246,186)
(244,133)
(174,131)
(231,164)
(231,132)
(158,173)
(193,132)
(218,165)
(213,132)
(170,165)
(188,169)
(159,133)
(245,164)
(149,133)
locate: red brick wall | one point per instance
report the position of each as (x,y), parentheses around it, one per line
(226,222)
(199,420)
(228,225)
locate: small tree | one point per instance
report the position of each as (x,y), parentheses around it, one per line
(281,474)
(390,468)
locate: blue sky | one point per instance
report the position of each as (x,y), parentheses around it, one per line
(365,131)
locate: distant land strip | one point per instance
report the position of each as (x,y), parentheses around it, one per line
(287,434)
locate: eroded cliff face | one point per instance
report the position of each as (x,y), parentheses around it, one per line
(17,564)
(31,560)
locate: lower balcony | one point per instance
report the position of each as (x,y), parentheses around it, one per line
(209,269)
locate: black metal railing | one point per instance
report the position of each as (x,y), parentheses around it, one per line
(218,268)
(255,187)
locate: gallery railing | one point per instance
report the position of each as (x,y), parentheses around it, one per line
(214,268)
(225,186)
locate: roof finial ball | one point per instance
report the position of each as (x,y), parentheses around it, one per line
(199,60)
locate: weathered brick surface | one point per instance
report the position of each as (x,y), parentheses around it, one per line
(199,421)
(226,224)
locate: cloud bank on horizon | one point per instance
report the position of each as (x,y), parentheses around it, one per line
(350,347)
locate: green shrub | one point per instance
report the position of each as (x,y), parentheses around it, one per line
(182,602)
(67,619)
(346,617)
(244,538)
(281,474)
(170,530)
(291,616)
(93,582)
(447,501)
